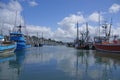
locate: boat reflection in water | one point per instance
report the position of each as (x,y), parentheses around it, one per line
(110,62)
(6,57)
(109,59)
(10,66)
(94,66)
(63,63)
(6,72)
(113,56)
(60,63)
(17,64)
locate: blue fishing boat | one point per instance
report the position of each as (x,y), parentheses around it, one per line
(18,37)
(6,46)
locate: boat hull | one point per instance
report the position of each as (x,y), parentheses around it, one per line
(19,39)
(80,47)
(7,48)
(86,47)
(108,47)
(22,46)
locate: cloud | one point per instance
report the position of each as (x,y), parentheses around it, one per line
(67,29)
(12,6)
(63,35)
(8,14)
(72,19)
(95,17)
(114,8)
(33,3)
(115,31)
(33,30)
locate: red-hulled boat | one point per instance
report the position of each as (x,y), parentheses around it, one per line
(104,43)
(109,47)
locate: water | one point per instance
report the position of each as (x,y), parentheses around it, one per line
(60,63)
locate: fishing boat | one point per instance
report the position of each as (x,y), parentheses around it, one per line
(18,37)
(109,46)
(105,43)
(6,46)
(83,42)
(38,42)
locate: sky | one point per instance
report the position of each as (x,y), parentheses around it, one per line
(57,19)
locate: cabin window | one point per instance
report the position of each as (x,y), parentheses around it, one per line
(16,35)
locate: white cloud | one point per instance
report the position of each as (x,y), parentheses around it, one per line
(8,14)
(33,3)
(72,19)
(12,6)
(95,17)
(63,35)
(65,32)
(114,8)
(115,31)
(33,30)
(67,29)
(7,20)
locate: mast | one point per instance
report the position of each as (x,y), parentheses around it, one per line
(105,27)
(15,20)
(37,40)
(99,22)
(2,25)
(110,28)
(77,33)
(15,17)
(42,38)
(87,32)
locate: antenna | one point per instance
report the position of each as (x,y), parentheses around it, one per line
(15,20)
(99,22)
